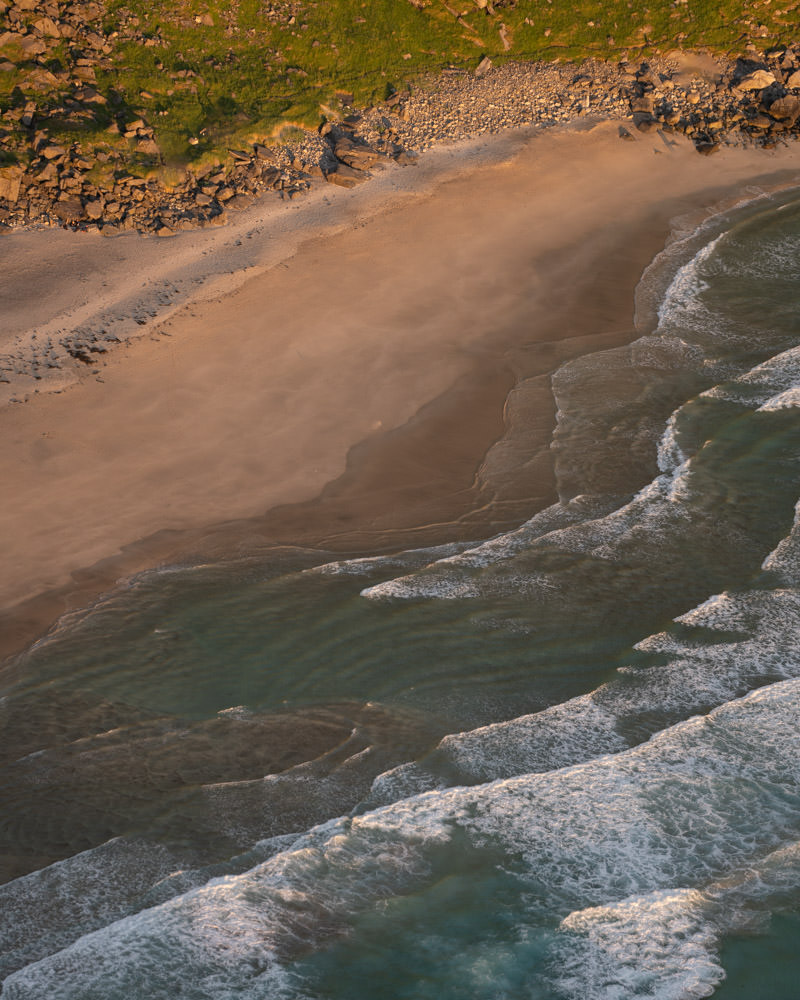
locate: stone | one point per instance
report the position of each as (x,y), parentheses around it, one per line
(707,148)
(47,173)
(149,147)
(360,157)
(759,80)
(345,176)
(53,152)
(238,202)
(10,181)
(69,209)
(625,134)
(46,26)
(793,82)
(786,109)
(643,105)
(483,67)
(94,209)
(33,46)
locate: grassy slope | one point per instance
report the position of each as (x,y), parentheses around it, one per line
(216,72)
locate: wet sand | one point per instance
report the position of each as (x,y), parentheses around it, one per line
(348,383)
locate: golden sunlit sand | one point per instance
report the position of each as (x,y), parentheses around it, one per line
(350,390)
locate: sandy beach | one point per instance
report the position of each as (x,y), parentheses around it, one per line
(356,371)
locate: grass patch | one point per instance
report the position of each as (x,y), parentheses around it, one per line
(211,74)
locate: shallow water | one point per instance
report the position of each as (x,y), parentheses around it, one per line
(558,763)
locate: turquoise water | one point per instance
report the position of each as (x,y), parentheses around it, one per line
(559,763)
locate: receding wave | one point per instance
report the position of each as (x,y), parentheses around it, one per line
(558,763)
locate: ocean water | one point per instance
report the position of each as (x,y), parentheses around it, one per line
(559,763)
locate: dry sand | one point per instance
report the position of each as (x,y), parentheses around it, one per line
(344,385)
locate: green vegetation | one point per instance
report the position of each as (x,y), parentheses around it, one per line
(254,65)
(210,74)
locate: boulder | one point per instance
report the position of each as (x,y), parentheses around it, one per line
(793,82)
(786,109)
(33,46)
(354,155)
(94,209)
(69,209)
(758,122)
(642,105)
(238,202)
(757,81)
(46,26)
(10,180)
(345,176)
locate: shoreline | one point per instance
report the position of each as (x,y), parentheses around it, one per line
(430,315)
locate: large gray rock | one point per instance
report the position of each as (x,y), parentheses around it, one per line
(757,81)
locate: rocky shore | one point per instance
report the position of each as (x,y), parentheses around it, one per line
(117,184)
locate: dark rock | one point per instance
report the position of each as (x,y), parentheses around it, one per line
(642,105)
(345,176)
(355,155)
(625,134)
